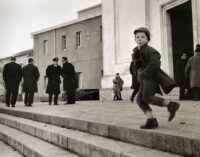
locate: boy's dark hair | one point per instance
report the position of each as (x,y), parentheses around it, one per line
(144,30)
(30,60)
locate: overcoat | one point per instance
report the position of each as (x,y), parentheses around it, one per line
(193,70)
(12,75)
(53,74)
(180,71)
(148,64)
(133,72)
(30,75)
(69,75)
(117,85)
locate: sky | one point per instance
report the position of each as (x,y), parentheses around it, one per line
(19,18)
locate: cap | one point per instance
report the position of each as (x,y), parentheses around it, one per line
(55,59)
(13,58)
(143,29)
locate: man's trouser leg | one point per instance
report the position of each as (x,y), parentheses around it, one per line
(14,98)
(31,97)
(8,95)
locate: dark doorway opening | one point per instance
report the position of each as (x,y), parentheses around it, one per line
(182,30)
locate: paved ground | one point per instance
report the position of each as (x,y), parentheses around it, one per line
(7,151)
(126,114)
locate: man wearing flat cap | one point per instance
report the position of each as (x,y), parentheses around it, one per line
(70,80)
(53,73)
(192,71)
(12,75)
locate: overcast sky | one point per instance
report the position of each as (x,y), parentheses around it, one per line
(19,18)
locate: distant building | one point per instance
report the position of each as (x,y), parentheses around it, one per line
(22,59)
(80,41)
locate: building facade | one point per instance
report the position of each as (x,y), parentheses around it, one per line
(80,41)
(174,27)
(22,59)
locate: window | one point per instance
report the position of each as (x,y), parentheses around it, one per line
(78,39)
(45,46)
(101,34)
(79,77)
(64,42)
(45,82)
(102,73)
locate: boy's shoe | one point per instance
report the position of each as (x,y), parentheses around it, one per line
(172,108)
(150,124)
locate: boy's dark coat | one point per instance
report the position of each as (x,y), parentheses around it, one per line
(148,65)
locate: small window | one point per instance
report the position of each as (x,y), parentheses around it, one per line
(78,39)
(79,77)
(45,82)
(101,72)
(101,34)
(64,42)
(45,46)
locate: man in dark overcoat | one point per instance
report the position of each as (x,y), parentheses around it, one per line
(12,75)
(30,75)
(193,71)
(53,73)
(180,76)
(70,81)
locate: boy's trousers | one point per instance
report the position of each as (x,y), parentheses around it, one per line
(147,90)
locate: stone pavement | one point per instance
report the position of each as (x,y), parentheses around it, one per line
(119,120)
(125,114)
(7,151)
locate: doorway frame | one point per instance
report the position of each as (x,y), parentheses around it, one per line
(166,33)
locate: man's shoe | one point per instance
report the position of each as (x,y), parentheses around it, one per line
(13,105)
(150,124)
(56,104)
(172,108)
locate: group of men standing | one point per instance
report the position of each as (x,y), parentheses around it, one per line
(187,76)
(13,73)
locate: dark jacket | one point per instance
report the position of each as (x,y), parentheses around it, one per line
(193,70)
(69,75)
(148,64)
(53,74)
(12,75)
(30,75)
(180,71)
(133,72)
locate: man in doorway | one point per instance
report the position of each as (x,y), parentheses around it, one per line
(53,73)
(180,76)
(12,75)
(30,75)
(70,81)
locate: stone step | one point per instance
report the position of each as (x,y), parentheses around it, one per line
(156,139)
(7,151)
(81,143)
(30,146)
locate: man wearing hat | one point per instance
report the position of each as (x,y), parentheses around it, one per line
(30,75)
(70,80)
(12,75)
(193,72)
(53,73)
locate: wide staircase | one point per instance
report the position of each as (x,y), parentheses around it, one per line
(36,134)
